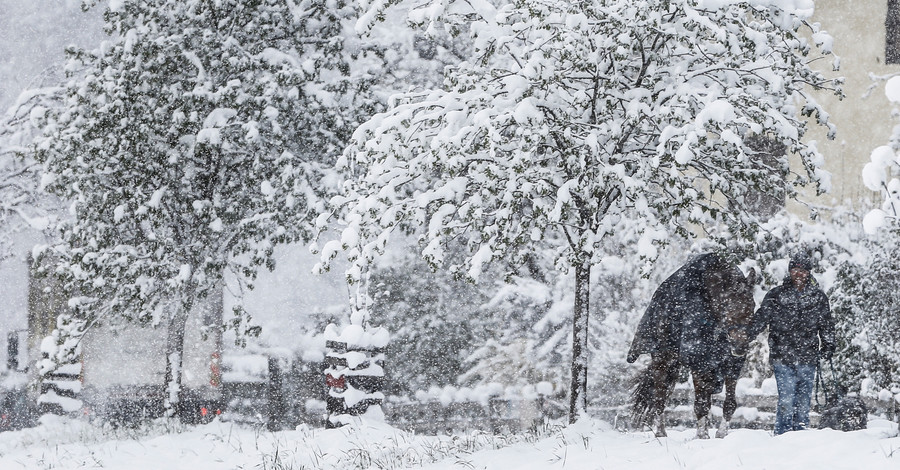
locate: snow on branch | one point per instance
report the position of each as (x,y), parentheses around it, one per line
(882,174)
(563,115)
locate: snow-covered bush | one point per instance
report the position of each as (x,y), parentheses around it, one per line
(866,304)
(528,308)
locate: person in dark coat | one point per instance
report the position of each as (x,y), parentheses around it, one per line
(801,330)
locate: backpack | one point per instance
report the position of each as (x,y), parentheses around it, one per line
(841,412)
(846,414)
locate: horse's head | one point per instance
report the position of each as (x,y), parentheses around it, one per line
(731,294)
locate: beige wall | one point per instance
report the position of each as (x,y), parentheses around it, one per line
(863,122)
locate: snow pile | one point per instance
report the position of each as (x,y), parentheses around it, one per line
(358,336)
(745,387)
(245,368)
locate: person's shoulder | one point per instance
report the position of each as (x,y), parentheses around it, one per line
(822,295)
(818,287)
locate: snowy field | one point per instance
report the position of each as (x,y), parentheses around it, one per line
(65,444)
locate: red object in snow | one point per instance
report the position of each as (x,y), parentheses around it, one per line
(215,372)
(338,383)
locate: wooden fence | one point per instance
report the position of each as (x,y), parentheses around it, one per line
(755,411)
(496,415)
(287,394)
(518,414)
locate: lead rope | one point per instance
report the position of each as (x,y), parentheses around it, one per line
(818,381)
(821,383)
(834,382)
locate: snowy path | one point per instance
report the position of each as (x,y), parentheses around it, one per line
(64,444)
(742,449)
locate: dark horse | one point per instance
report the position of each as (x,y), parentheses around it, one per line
(697,319)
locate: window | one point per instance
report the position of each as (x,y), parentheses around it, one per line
(892,33)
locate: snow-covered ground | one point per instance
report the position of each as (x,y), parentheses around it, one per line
(70,444)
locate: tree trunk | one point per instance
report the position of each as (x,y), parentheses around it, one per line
(578,390)
(175,353)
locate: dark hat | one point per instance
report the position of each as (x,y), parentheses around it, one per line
(800,261)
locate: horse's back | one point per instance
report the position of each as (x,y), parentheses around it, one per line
(661,326)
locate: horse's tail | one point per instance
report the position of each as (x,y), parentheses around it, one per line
(651,388)
(642,398)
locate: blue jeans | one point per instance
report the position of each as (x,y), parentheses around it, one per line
(795,383)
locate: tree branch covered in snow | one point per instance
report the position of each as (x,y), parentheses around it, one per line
(568,113)
(22,203)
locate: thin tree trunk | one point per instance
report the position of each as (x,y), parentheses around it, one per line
(578,390)
(175,354)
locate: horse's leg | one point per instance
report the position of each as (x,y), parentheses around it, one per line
(665,373)
(658,398)
(661,424)
(728,407)
(703,383)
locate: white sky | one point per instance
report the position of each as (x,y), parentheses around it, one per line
(33,36)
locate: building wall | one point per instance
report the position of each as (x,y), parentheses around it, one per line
(124,355)
(122,360)
(863,117)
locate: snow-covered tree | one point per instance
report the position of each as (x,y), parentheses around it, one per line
(865,294)
(526,312)
(567,114)
(866,290)
(193,141)
(430,317)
